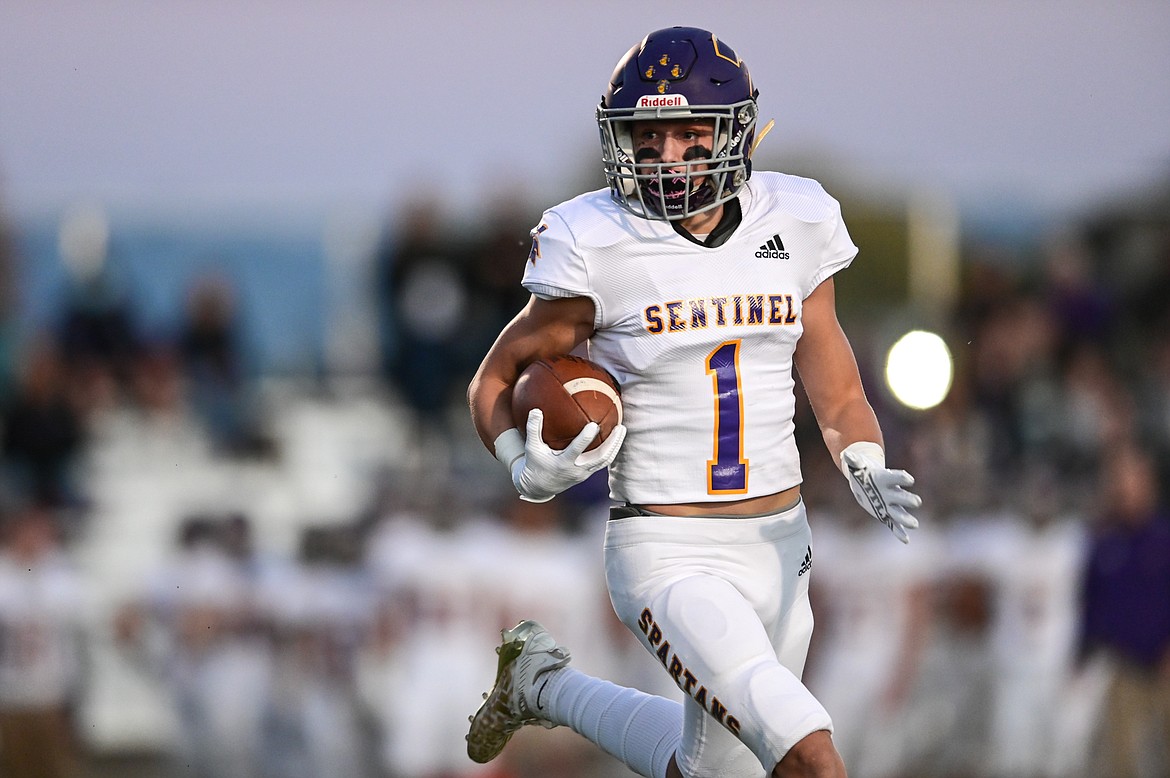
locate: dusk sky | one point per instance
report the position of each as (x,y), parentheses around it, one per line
(314,104)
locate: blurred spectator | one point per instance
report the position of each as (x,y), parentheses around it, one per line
(1126,617)
(1153,404)
(1031,559)
(97,332)
(156,383)
(1081,307)
(445,593)
(949,450)
(41,431)
(1133,246)
(951,716)
(9,308)
(320,614)
(196,628)
(1096,411)
(1149,307)
(872,600)
(497,259)
(1012,353)
(41,611)
(213,363)
(423,646)
(987,284)
(423,288)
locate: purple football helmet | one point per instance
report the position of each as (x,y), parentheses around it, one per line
(678,72)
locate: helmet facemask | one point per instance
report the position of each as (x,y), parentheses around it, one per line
(673,191)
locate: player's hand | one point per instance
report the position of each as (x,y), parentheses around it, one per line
(881,491)
(541,472)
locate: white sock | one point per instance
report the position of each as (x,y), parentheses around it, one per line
(640,729)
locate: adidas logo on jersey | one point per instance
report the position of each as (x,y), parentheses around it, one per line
(773,249)
(806,565)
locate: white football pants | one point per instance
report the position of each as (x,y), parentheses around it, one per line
(723,604)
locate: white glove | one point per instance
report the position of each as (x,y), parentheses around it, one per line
(539,473)
(881,491)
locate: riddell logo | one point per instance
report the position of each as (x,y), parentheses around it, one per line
(662,101)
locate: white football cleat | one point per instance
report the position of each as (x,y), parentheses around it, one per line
(527,652)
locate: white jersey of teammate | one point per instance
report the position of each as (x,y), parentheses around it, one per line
(41,620)
(700,338)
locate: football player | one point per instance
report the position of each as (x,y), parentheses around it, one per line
(699,286)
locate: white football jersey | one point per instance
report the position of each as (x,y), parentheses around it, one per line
(699,338)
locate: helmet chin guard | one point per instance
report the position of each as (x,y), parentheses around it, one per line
(678,73)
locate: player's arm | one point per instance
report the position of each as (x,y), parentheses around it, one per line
(824,359)
(828,371)
(543,328)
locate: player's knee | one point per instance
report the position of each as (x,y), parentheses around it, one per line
(814,756)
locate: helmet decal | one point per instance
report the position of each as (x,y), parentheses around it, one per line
(729,55)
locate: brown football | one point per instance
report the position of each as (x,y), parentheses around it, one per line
(572,391)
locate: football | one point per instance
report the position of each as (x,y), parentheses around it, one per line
(572,391)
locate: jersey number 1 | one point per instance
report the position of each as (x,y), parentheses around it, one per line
(727,473)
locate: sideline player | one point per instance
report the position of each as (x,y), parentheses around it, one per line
(699,286)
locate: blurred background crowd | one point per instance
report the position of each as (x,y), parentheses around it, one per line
(247,530)
(209,570)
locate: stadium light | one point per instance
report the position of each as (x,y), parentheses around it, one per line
(919,370)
